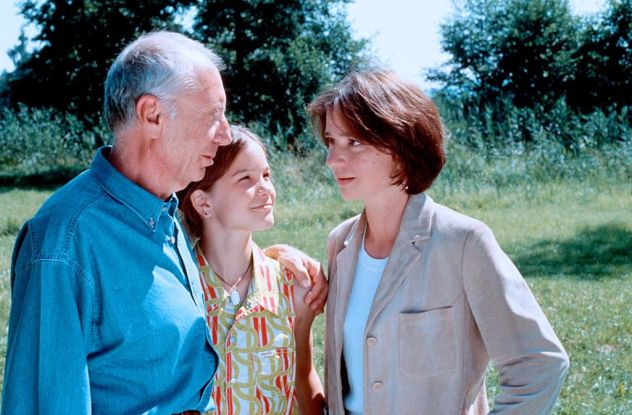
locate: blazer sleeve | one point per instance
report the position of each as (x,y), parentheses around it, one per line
(529,357)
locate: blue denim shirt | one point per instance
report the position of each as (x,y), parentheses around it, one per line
(107,314)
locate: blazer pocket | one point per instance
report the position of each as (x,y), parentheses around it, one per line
(427,343)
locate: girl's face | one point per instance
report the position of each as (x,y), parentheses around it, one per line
(362,171)
(243,198)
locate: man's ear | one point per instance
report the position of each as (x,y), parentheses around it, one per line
(201,203)
(150,114)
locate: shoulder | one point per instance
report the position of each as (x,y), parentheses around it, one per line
(68,203)
(51,231)
(453,223)
(461,233)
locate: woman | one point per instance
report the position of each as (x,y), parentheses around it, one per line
(421,297)
(259,324)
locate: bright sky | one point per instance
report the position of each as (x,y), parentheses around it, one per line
(405,33)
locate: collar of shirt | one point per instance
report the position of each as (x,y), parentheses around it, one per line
(147,206)
(263,292)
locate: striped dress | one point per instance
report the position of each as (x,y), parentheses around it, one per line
(255,342)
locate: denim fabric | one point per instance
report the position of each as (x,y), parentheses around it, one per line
(107,314)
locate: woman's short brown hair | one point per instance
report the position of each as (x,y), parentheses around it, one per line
(383,110)
(224,158)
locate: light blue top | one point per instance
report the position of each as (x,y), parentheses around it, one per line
(103,319)
(365,281)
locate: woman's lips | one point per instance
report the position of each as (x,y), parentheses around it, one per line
(344,180)
(266,206)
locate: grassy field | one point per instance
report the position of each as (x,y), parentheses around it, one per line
(572,241)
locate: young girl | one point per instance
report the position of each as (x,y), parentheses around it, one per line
(259,323)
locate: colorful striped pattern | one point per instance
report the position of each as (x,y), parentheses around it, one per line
(257,369)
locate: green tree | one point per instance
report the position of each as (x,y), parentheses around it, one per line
(603,75)
(279,54)
(79,40)
(516,49)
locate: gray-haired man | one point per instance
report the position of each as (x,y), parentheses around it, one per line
(107,315)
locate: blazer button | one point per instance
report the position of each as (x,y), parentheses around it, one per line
(370,341)
(378,386)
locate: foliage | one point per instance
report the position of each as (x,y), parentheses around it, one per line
(500,124)
(279,54)
(43,145)
(78,41)
(535,53)
(517,48)
(604,60)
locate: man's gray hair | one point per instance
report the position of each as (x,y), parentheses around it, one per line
(162,64)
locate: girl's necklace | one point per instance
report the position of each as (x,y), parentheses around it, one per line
(235,298)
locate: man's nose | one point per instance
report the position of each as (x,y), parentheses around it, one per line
(222,136)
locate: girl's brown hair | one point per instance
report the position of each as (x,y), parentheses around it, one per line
(382,110)
(224,158)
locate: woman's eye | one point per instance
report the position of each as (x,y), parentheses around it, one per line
(243,178)
(354,143)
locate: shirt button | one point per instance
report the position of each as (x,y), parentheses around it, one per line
(152,223)
(370,341)
(378,386)
(164,208)
(170,239)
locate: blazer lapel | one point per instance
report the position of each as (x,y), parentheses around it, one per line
(346,262)
(414,232)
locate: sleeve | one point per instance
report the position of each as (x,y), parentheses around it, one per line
(49,327)
(529,357)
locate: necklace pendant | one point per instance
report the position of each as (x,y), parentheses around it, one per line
(235,299)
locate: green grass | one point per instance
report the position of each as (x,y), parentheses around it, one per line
(572,241)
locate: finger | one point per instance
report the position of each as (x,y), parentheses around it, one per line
(317,302)
(318,294)
(295,266)
(317,297)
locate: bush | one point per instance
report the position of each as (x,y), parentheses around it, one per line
(43,146)
(502,124)
(492,148)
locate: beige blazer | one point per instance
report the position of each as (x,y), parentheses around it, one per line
(449,300)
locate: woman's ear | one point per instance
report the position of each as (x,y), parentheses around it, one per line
(201,204)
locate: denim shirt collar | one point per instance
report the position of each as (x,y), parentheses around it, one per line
(147,206)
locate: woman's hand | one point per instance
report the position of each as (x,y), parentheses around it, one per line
(307,271)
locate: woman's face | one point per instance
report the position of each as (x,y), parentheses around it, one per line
(362,171)
(243,198)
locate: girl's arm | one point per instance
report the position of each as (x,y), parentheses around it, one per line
(311,397)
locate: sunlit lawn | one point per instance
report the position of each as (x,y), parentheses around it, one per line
(572,242)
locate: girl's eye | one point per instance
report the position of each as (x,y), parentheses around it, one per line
(243,178)
(354,143)
(329,141)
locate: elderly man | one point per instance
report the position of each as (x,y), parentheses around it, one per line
(107,315)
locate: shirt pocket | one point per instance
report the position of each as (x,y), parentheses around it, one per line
(427,343)
(274,378)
